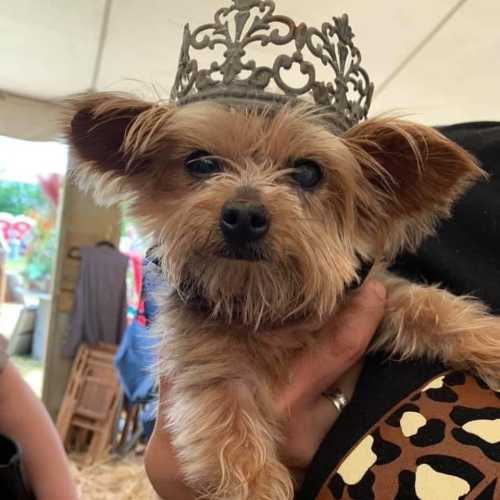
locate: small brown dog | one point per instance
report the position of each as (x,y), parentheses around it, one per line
(264,215)
(261,218)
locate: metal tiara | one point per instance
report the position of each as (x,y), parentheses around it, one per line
(237,78)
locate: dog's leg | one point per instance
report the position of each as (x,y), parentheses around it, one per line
(425,321)
(225,444)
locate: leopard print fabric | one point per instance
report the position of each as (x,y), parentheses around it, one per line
(441,442)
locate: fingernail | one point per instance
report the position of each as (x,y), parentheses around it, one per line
(377,288)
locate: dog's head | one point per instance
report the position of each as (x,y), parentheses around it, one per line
(262,214)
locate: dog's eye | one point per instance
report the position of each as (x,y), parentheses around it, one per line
(307,173)
(201,164)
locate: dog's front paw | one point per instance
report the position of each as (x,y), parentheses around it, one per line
(428,322)
(233,454)
(273,483)
(483,348)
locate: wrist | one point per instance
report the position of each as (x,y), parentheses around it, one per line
(163,471)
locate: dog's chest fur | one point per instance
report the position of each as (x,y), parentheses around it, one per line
(190,339)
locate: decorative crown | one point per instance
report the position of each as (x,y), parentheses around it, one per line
(252,22)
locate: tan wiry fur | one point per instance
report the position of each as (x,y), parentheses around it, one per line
(385,182)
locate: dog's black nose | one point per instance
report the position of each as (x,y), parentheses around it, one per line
(243,221)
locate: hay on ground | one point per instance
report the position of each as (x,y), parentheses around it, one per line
(113,479)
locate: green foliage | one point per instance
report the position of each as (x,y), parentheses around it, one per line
(18,198)
(28,199)
(40,257)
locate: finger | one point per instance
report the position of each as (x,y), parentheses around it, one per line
(300,447)
(324,409)
(342,342)
(348,334)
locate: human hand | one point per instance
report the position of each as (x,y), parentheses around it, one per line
(336,362)
(306,414)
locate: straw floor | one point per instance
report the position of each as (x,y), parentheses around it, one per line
(113,480)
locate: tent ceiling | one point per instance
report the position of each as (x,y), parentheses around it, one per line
(49,49)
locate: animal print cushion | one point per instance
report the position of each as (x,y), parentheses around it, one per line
(410,424)
(442,442)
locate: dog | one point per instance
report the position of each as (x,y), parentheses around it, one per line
(262,218)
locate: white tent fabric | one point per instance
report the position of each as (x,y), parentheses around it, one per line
(438,62)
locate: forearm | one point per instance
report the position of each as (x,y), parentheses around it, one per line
(24,419)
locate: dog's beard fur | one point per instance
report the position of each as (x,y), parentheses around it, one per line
(290,276)
(365,207)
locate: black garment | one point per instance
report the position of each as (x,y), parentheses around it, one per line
(12,482)
(465,255)
(465,258)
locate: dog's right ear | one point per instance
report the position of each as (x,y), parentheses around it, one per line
(114,138)
(98,126)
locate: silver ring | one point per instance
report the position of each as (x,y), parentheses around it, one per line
(337,398)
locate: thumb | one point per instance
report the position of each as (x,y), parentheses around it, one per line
(342,342)
(348,334)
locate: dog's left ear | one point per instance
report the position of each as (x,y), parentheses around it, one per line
(412,173)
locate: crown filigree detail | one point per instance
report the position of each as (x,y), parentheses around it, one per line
(247,23)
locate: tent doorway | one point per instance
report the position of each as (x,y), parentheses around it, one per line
(31,176)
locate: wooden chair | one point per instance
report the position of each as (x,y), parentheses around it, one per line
(87,416)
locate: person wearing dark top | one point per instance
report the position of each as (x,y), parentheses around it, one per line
(414,428)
